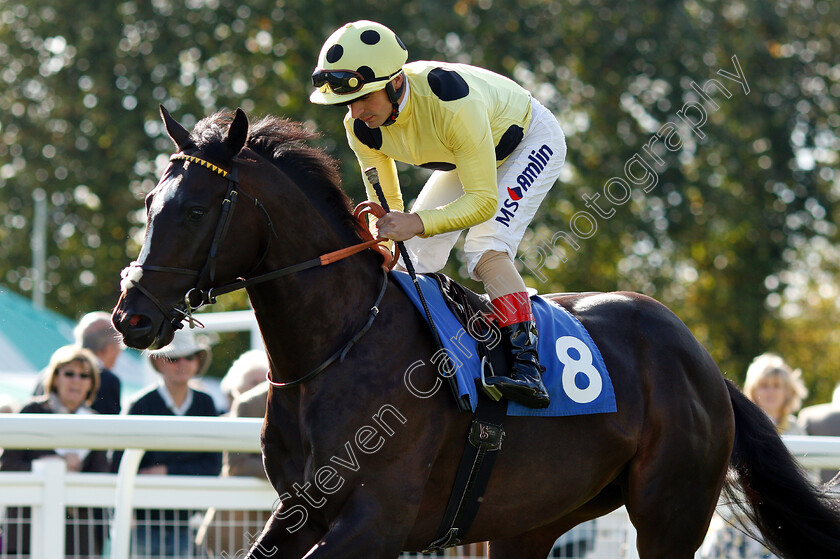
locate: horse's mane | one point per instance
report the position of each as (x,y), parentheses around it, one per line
(284,143)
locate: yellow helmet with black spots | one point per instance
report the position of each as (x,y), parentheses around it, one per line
(359,58)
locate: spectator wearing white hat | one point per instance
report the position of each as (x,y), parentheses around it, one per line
(225,532)
(166,533)
(823,420)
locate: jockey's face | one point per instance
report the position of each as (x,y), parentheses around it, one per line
(374,108)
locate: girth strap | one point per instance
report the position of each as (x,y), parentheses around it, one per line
(483,444)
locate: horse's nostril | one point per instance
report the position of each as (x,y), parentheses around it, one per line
(137,324)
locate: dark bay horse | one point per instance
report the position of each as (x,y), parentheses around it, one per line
(364,466)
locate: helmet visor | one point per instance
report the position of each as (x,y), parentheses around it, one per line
(344,82)
(341,82)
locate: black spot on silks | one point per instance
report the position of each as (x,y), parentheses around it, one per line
(448,85)
(371,137)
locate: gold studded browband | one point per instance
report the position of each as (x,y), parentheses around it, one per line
(202,162)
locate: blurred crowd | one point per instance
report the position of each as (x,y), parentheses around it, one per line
(79,379)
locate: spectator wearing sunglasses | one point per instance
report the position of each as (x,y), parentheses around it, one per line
(71,384)
(70,387)
(495,152)
(166,533)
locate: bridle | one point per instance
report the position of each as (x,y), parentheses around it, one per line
(197,297)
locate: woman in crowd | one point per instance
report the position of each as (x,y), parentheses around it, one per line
(246,372)
(167,533)
(230,531)
(71,385)
(778,390)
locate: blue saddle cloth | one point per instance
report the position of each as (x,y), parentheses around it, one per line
(575,374)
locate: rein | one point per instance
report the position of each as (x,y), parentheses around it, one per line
(196,297)
(209,296)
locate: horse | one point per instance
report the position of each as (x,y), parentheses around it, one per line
(362,466)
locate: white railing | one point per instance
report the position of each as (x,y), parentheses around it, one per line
(136,434)
(48,489)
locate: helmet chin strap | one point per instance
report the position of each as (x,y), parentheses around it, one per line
(394,97)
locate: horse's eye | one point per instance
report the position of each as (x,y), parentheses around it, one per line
(195,214)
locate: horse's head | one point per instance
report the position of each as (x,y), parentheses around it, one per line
(191,214)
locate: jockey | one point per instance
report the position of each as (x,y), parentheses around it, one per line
(495,152)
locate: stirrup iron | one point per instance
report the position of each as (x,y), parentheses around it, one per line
(491,391)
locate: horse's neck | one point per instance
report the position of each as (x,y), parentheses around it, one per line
(307,317)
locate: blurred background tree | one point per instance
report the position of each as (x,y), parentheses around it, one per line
(738,236)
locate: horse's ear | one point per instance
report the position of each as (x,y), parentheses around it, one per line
(237,133)
(178,133)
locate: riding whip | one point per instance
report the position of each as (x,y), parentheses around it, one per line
(463,404)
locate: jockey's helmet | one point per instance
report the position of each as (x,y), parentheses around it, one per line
(359,58)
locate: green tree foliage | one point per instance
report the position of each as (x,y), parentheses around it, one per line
(720,237)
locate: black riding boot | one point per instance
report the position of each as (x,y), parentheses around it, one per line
(524,385)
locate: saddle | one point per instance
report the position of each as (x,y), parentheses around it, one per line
(475,313)
(463,302)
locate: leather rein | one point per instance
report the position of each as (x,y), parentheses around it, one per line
(197,297)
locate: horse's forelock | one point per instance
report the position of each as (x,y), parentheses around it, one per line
(209,134)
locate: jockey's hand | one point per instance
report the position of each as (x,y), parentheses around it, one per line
(399,226)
